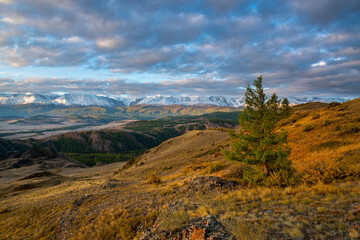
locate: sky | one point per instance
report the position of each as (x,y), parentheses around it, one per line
(180,47)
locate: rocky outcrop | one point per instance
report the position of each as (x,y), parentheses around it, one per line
(198,229)
(210,183)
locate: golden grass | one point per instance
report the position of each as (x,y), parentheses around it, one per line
(319,151)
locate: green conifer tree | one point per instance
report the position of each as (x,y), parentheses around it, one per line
(257,142)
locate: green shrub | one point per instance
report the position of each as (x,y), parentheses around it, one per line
(253,175)
(90,159)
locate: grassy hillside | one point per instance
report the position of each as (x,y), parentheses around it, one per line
(121,204)
(114,145)
(310,106)
(325,142)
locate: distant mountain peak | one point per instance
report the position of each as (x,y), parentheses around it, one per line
(117,101)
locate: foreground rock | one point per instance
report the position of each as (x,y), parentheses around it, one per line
(199,229)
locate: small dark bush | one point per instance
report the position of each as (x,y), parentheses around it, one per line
(167,168)
(328,122)
(316,116)
(236,172)
(287,121)
(299,115)
(309,128)
(333,105)
(328,145)
(338,128)
(351,129)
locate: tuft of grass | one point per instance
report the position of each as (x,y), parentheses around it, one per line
(153,178)
(280,178)
(354,233)
(173,219)
(245,230)
(295,231)
(216,167)
(236,172)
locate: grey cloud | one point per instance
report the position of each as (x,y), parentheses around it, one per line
(213,43)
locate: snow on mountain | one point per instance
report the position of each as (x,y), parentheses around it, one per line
(116,101)
(15,99)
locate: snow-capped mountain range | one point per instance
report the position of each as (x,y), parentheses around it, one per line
(117,101)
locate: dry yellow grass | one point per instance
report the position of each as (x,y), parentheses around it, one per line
(326,145)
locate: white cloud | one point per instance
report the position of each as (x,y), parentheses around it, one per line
(319,64)
(110,43)
(74,39)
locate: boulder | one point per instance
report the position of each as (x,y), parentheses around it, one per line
(198,229)
(210,183)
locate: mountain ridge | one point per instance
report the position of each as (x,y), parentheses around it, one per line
(118,101)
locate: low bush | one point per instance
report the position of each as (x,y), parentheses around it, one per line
(330,171)
(153,178)
(333,105)
(287,121)
(333,144)
(328,122)
(316,116)
(216,167)
(351,129)
(236,172)
(281,178)
(299,115)
(253,175)
(309,128)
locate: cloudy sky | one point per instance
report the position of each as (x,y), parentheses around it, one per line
(180,47)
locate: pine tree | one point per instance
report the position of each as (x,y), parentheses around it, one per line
(258,143)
